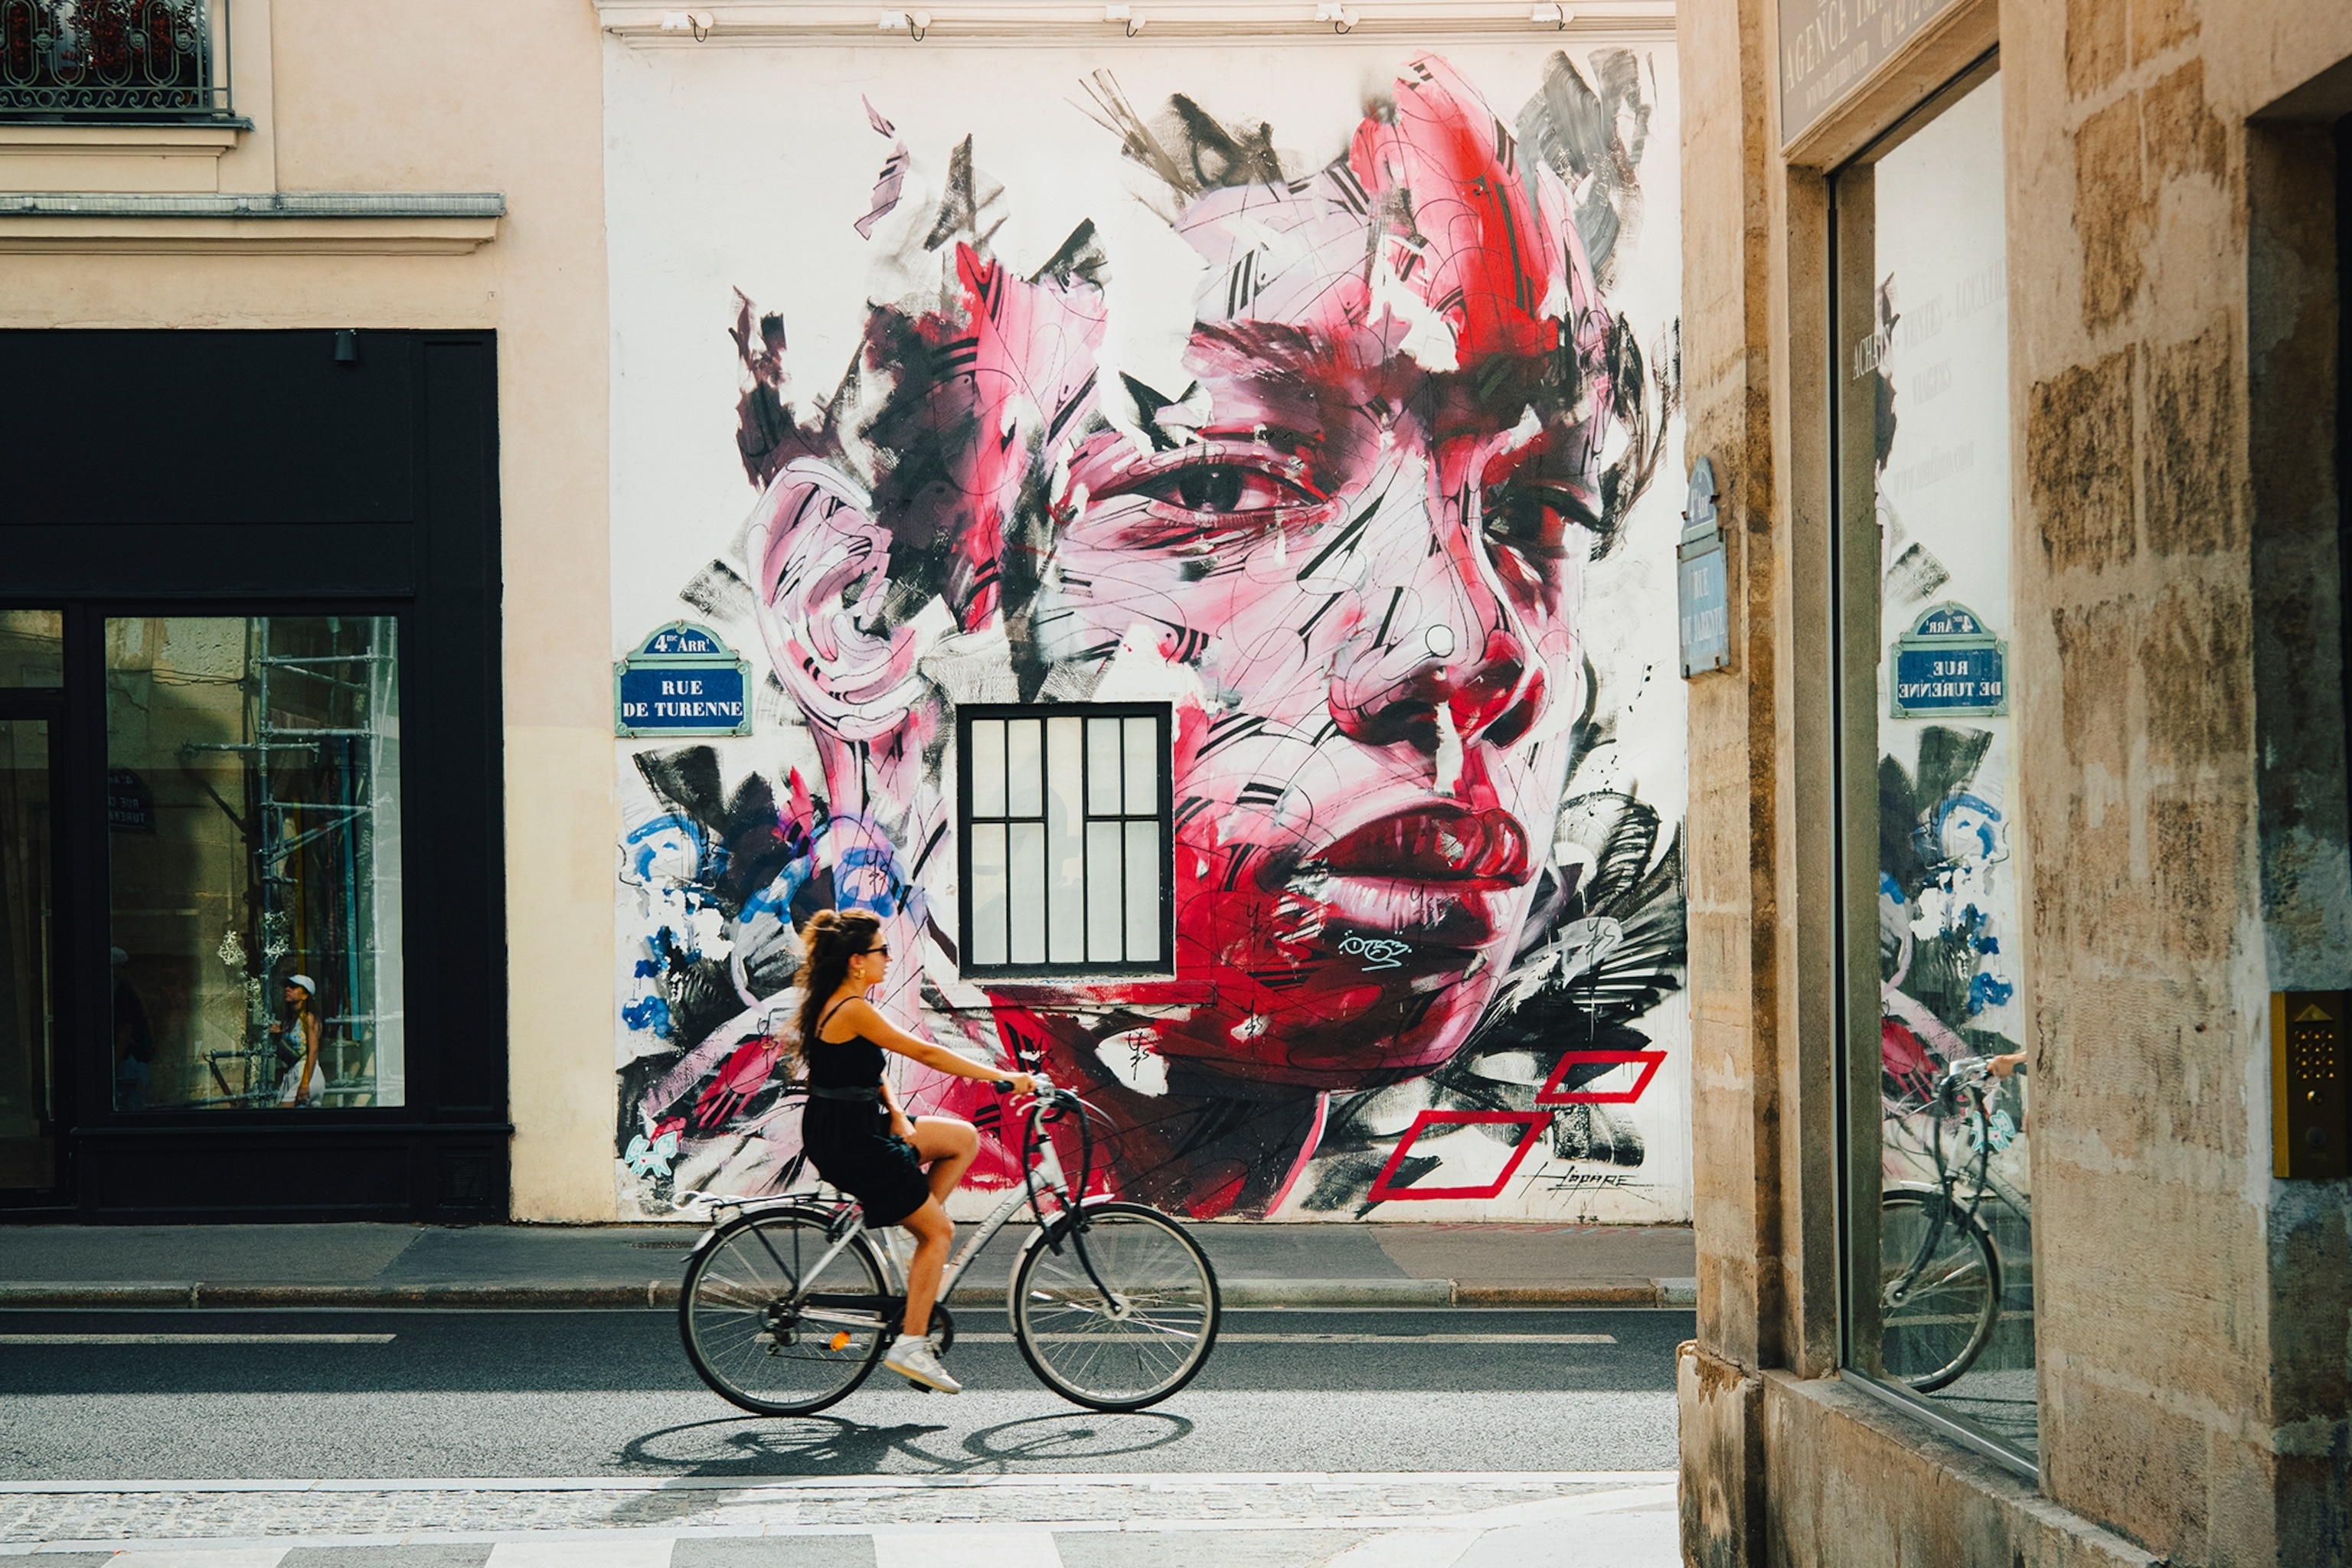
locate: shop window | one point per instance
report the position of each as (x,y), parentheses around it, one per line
(252,819)
(1938,1253)
(1066,839)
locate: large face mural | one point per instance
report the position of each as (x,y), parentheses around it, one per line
(1339,510)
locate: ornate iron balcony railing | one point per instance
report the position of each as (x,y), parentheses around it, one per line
(68,60)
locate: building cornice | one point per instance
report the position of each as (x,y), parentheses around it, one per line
(756,23)
(299,222)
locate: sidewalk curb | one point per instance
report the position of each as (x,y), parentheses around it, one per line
(662,1294)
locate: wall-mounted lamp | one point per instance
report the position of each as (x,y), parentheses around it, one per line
(1124,14)
(1342,20)
(1551,16)
(698,23)
(347,346)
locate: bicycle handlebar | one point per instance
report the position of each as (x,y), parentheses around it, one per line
(1042,1089)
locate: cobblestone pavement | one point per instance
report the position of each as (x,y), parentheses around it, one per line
(1573,1520)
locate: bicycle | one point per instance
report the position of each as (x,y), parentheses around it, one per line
(787,1306)
(1940,1271)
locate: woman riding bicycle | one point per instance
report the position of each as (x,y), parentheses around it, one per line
(855,1131)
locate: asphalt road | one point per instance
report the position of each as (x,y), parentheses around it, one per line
(509,1393)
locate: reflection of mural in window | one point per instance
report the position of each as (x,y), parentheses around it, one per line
(1955,1286)
(253,809)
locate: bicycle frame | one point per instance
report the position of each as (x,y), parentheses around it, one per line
(868,1312)
(1947,1180)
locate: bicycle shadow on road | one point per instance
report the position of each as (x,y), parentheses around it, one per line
(809,1445)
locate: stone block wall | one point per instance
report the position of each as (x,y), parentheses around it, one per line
(2174,343)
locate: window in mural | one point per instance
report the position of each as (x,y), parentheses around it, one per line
(252,825)
(1940,1243)
(1327,429)
(1065,814)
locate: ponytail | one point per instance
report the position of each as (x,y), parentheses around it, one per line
(830,940)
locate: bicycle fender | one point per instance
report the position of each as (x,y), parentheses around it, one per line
(1051,1235)
(702,1243)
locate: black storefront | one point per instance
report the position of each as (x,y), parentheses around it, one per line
(252,930)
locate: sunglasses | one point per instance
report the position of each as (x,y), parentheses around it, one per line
(881,952)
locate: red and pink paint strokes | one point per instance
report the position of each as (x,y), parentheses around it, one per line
(1350,551)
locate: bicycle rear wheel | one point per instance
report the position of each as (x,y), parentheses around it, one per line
(752,1345)
(1948,1302)
(1115,1308)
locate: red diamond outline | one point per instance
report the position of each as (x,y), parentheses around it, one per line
(1534,1122)
(1551,1093)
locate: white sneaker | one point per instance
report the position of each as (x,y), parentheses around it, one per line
(913,1359)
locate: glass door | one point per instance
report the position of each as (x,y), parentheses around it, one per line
(35,1087)
(30,1113)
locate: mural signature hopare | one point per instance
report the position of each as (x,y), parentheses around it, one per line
(1349,552)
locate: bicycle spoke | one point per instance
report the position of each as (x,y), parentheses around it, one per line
(1139,1342)
(744,1333)
(1939,1295)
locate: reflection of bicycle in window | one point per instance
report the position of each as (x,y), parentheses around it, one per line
(1939,1269)
(787,1306)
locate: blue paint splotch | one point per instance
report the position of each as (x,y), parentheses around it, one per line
(650,1014)
(1987,991)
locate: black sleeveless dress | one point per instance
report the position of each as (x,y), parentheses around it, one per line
(846,1130)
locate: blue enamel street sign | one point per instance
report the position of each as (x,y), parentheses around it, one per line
(1948,665)
(681,680)
(1702,600)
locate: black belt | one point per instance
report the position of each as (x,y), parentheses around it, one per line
(871,1094)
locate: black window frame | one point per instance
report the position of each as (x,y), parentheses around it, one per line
(1164,713)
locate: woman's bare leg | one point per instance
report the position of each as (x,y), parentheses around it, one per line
(932,1231)
(947,1145)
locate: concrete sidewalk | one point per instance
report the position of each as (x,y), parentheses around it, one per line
(1335,1264)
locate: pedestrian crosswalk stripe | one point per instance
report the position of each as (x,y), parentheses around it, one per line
(1408,1549)
(640,1552)
(198,1556)
(966,1549)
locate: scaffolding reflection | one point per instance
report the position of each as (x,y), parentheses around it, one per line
(282,733)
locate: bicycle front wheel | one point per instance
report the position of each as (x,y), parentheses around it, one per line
(1936,1311)
(750,1343)
(1116,1308)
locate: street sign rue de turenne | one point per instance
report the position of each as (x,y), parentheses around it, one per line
(681,680)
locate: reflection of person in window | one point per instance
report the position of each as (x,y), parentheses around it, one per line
(134,1039)
(301,1082)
